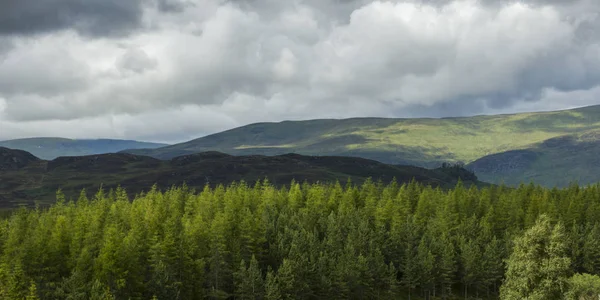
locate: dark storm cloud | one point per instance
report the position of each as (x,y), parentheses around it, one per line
(88,17)
(173,6)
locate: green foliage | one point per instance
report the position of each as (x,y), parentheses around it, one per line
(272,291)
(584,287)
(538,267)
(249,283)
(305,241)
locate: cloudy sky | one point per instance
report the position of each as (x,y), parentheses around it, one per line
(172,70)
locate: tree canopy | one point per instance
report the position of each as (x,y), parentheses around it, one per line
(307,241)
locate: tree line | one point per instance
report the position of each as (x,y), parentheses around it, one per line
(308,241)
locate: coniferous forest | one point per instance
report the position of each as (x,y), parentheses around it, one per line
(308,241)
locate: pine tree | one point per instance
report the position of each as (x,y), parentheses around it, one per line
(220,269)
(470,261)
(287,280)
(591,250)
(446,265)
(426,267)
(393,287)
(492,264)
(410,262)
(249,283)
(272,291)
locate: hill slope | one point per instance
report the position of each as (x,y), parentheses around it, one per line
(50,148)
(38,180)
(555,162)
(421,142)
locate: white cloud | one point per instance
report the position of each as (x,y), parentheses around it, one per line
(209,65)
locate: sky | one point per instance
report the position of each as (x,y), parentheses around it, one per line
(174,70)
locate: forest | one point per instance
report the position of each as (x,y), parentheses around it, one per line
(307,241)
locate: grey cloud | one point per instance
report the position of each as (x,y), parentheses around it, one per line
(269,60)
(88,17)
(5,45)
(136,60)
(47,72)
(173,6)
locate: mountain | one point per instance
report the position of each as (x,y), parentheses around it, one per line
(11,159)
(555,162)
(50,148)
(489,144)
(27,180)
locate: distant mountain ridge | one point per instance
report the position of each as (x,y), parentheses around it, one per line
(485,143)
(50,148)
(25,179)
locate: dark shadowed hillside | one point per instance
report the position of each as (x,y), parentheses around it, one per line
(555,162)
(11,159)
(30,180)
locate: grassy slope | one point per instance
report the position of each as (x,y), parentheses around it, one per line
(50,148)
(39,180)
(422,142)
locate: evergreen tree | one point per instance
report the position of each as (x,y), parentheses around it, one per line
(249,283)
(315,241)
(426,268)
(471,264)
(410,262)
(591,250)
(287,280)
(272,291)
(393,287)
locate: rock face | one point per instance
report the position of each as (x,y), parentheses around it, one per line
(11,159)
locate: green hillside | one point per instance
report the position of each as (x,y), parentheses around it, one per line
(423,142)
(50,148)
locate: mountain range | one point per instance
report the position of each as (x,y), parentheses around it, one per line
(51,148)
(26,180)
(548,148)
